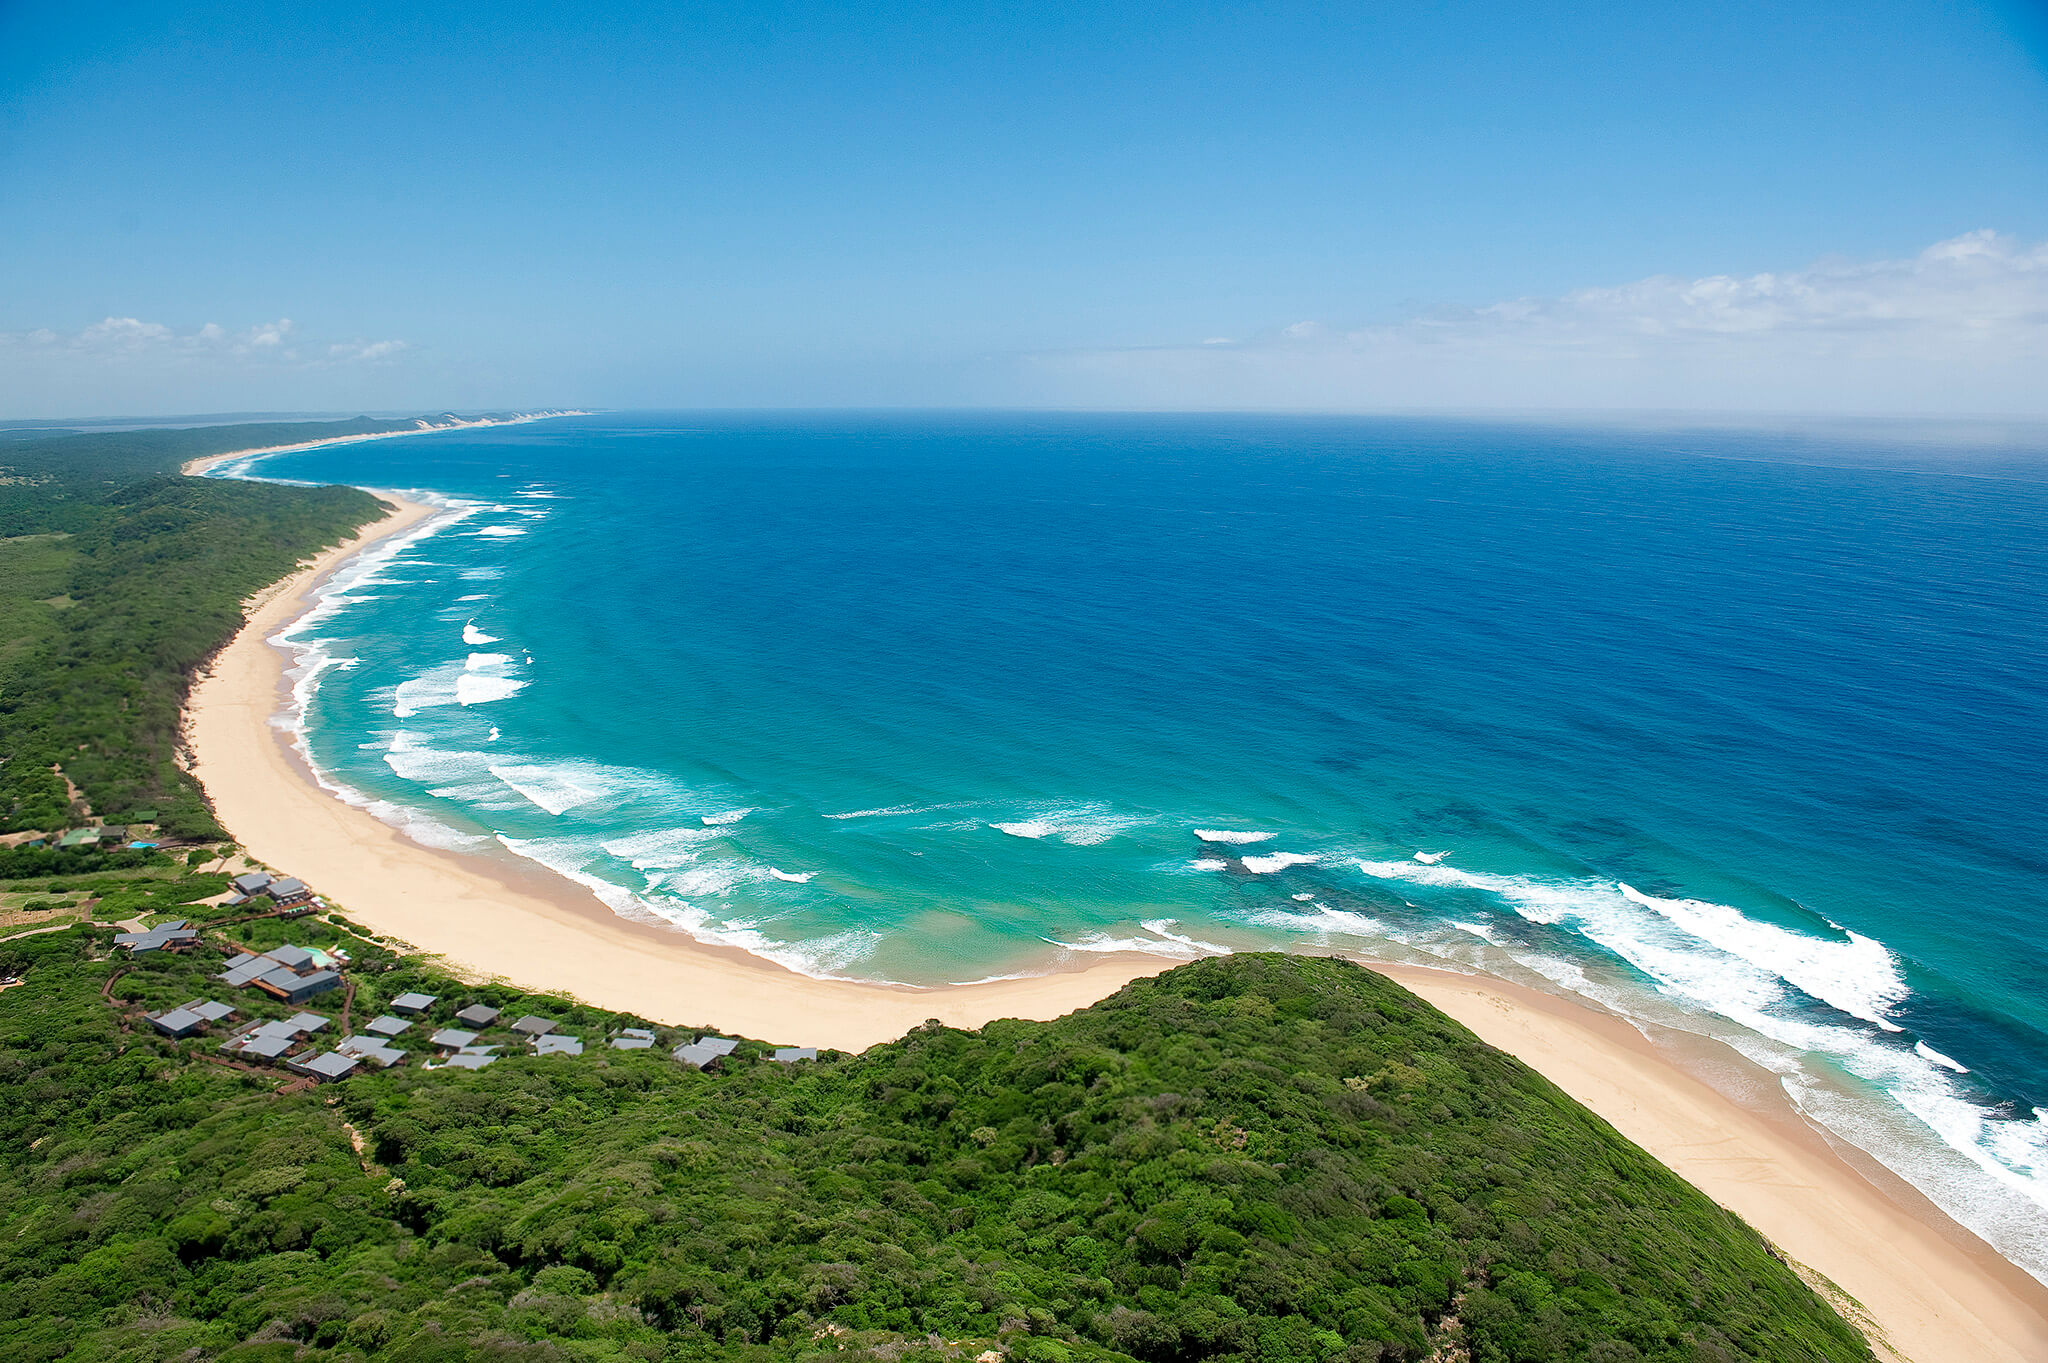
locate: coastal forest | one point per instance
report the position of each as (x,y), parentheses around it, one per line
(1262,1157)
(118,577)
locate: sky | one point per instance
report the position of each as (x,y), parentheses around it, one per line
(1801,207)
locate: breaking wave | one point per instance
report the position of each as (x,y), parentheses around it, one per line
(1278,861)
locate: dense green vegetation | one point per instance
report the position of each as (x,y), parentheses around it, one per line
(117,579)
(1260,1158)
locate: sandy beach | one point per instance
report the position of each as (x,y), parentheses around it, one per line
(1934,1291)
(532,927)
(192,468)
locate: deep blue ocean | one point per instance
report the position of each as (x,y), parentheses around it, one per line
(1735,731)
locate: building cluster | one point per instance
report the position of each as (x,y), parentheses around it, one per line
(292,975)
(282,1041)
(285,892)
(707,1051)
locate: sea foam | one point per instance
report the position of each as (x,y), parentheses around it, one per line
(555,789)
(1079,826)
(472,689)
(1278,861)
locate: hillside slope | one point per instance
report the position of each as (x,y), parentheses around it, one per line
(1261,1157)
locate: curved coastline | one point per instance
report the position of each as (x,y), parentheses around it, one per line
(1935,1290)
(501,920)
(193,468)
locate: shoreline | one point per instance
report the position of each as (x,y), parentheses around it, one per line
(457,907)
(196,468)
(1930,1287)
(1933,1289)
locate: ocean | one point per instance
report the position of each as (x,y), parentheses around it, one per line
(1734,731)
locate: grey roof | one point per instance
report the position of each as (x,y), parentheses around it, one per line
(210,1010)
(329,1065)
(557,1045)
(637,1033)
(267,1047)
(281,978)
(386,1025)
(306,1022)
(296,987)
(177,1022)
(791,1054)
(252,881)
(244,969)
(631,1043)
(412,1003)
(718,1045)
(480,1050)
(533,1026)
(370,1048)
(470,1062)
(156,939)
(478,1015)
(290,955)
(275,1028)
(697,1054)
(286,888)
(454,1038)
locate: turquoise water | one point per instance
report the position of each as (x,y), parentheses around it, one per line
(1732,731)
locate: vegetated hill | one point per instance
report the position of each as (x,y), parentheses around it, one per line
(1260,1157)
(117,579)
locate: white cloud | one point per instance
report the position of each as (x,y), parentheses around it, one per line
(128,342)
(1962,326)
(365,351)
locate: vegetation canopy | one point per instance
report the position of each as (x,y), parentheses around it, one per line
(117,579)
(1264,1157)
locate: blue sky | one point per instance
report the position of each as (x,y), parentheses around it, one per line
(1328,206)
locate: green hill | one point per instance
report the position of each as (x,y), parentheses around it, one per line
(1263,1157)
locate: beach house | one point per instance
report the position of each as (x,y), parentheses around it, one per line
(371,1050)
(704,1052)
(325,1066)
(188,1018)
(164,937)
(288,973)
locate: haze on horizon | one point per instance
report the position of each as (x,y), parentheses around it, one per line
(1822,207)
